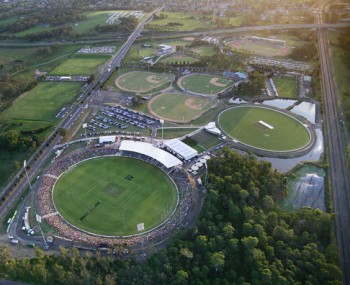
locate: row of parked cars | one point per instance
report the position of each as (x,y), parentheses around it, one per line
(130,117)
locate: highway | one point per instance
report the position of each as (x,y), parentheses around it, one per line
(149,34)
(338,165)
(47,147)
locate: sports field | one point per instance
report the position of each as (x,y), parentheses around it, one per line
(204,84)
(179,108)
(264,128)
(258,48)
(42,102)
(179,58)
(112,195)
(287,86)
(80,65)
(143,82)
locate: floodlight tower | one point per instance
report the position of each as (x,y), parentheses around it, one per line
(25,169)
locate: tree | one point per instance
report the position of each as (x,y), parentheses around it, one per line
(217,260)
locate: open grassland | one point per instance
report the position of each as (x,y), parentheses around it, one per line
(143,82)
(42,102)
(342,72)
(80,65)
(242,124)
(176,21)
(287,86)
(180,108)
(111,196)
(34,30)
(32,57)
(95,18)
(205,84)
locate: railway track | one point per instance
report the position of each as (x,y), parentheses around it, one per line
(337,158)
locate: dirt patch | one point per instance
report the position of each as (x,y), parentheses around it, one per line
(152,79)
(189,104)
(215,81)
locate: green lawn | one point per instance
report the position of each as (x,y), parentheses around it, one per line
(200,83)
(178,58)
(287,86)
(42,102)
(34,30)
(148,52)
(192,143)
(80,65)
(179,107)
(171,133)
(204,50)
(242,124)
(138,81)
(93,19)
(110,196)
(184,22)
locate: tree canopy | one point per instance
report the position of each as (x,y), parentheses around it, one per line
(241,237)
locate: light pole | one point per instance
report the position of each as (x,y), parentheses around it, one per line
(206,173)
(162,123)
(84,127)
(25,169)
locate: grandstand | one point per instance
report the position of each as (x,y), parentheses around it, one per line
(48,211)
(268,40)
(181,149)
(165,158)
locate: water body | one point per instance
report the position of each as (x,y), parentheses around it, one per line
(306,110)
(279,103)
(286,164)
(306,189)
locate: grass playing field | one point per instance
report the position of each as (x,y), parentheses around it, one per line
(287,86)
(179,58)
(204,83)
(42,102)
(242,123)
(80,65)
(143,82)
(204,50)
(112,195)
(259,48)
(179,107)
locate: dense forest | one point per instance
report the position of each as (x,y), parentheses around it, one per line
(241,237)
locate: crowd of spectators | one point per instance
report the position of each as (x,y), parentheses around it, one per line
(67,230)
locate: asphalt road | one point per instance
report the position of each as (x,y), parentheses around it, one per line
(150,34)
(69,121)
(337,158)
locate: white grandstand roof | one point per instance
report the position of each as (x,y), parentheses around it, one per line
(165,158)
(211,128)
(181,149)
